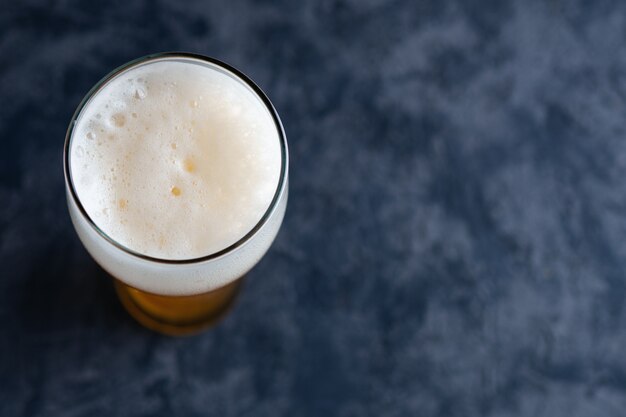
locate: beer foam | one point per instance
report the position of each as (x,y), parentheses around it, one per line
(175,160)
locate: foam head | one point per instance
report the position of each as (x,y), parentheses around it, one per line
(175,159)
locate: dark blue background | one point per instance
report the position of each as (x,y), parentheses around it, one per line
(455,241)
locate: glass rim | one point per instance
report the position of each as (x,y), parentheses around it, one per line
(282,180)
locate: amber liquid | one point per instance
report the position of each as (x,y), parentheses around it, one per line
(177,315)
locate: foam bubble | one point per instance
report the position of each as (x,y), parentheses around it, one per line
(140,93)
(118,119)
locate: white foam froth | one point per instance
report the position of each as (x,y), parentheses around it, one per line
(175,160)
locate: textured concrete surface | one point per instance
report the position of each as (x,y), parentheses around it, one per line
(455,243)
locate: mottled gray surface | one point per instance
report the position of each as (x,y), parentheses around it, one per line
(455,239)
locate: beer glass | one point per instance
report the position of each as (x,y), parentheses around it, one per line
(178,296)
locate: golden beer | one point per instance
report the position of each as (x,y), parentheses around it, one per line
(180,315)
(176,181)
